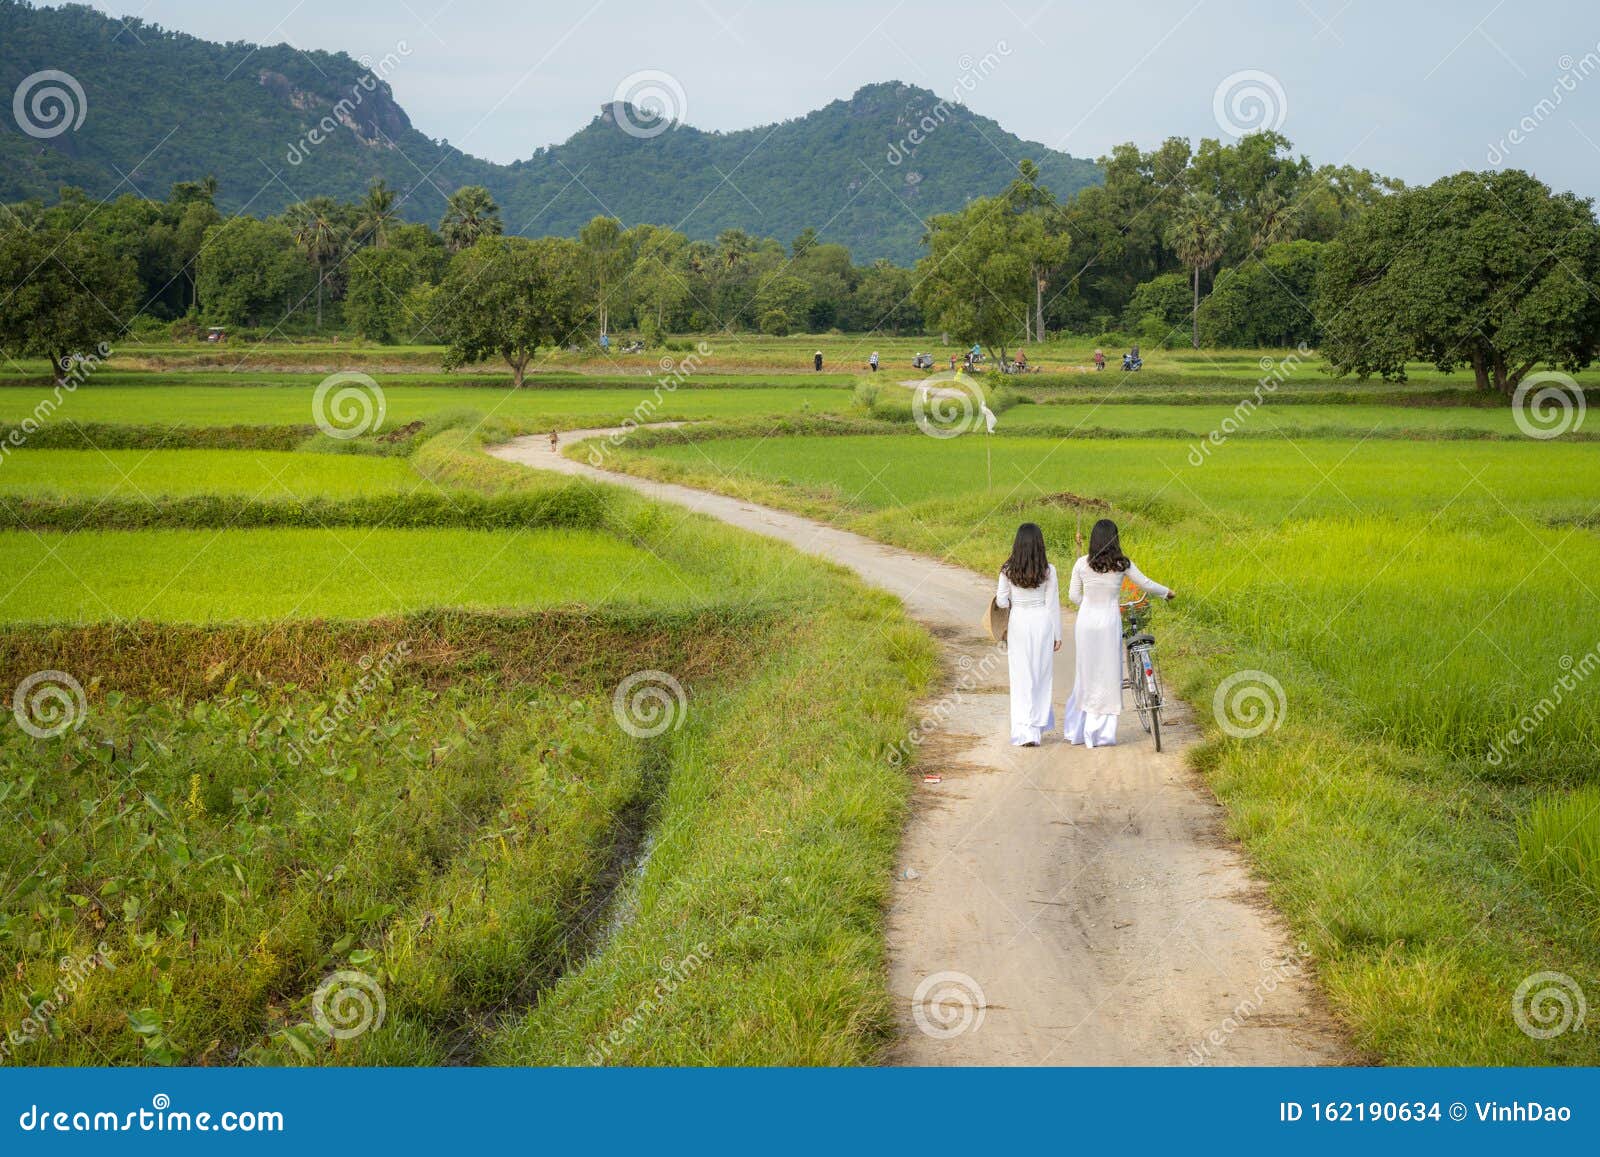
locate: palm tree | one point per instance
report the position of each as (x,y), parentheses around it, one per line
(1198,235)
(316,231)
(376,212)
(469,215)
(1272,219)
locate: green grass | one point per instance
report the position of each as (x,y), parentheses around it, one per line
(1414,604)
(164,473)
(1064,360)
(238,875)
(245,404)
(357,572)
(1259,480)
(250,806)
(1199,421)
(1560,842)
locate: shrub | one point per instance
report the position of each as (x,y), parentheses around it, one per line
(1169,297)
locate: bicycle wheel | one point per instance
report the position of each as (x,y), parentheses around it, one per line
(1141,691)
(1152,678)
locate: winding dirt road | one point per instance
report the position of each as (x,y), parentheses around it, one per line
(1054,905)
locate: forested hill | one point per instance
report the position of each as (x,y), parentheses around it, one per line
(161,107)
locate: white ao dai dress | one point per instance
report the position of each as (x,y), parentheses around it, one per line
(1096,701)
(1032,633)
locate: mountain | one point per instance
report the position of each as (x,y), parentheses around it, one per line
(276,125)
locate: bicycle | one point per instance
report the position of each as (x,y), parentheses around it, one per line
(1140,672)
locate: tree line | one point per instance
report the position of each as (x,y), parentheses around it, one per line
(1226,245)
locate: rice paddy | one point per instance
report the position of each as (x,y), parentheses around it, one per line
(534,408)
(164,473)
(1415,579)
(1421,616)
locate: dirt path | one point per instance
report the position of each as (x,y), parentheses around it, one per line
(1054,905)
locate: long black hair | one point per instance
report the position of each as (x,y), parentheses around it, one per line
(1027,567)
(1105,548)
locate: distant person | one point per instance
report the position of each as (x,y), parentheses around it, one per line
(816,361)
(953,363)
(1029,589)
(1099,359)
(873,361)
(1096,586)
(1022,359)
(976,352)
(1135,351)
(555,440)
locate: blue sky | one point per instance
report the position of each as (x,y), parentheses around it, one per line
(1412,89)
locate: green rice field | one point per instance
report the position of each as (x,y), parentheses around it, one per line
(202,576)
(1413,604)
(531,408)
(159,473)
(1261,480)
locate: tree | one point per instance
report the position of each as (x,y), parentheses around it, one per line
(977,280)
(507,296)
(67,294)
(882,300)
(249,270)
(320,236)
(1166,298)
(1198,235)
(1272,218)
(783,294)
(829,277)
(189,234)
(425,247)
(1490,269)
(203,191)
(376,213)
(469,215)
(1267,301)
(375,299)
(606,253)
(1045,235)
(660,274)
